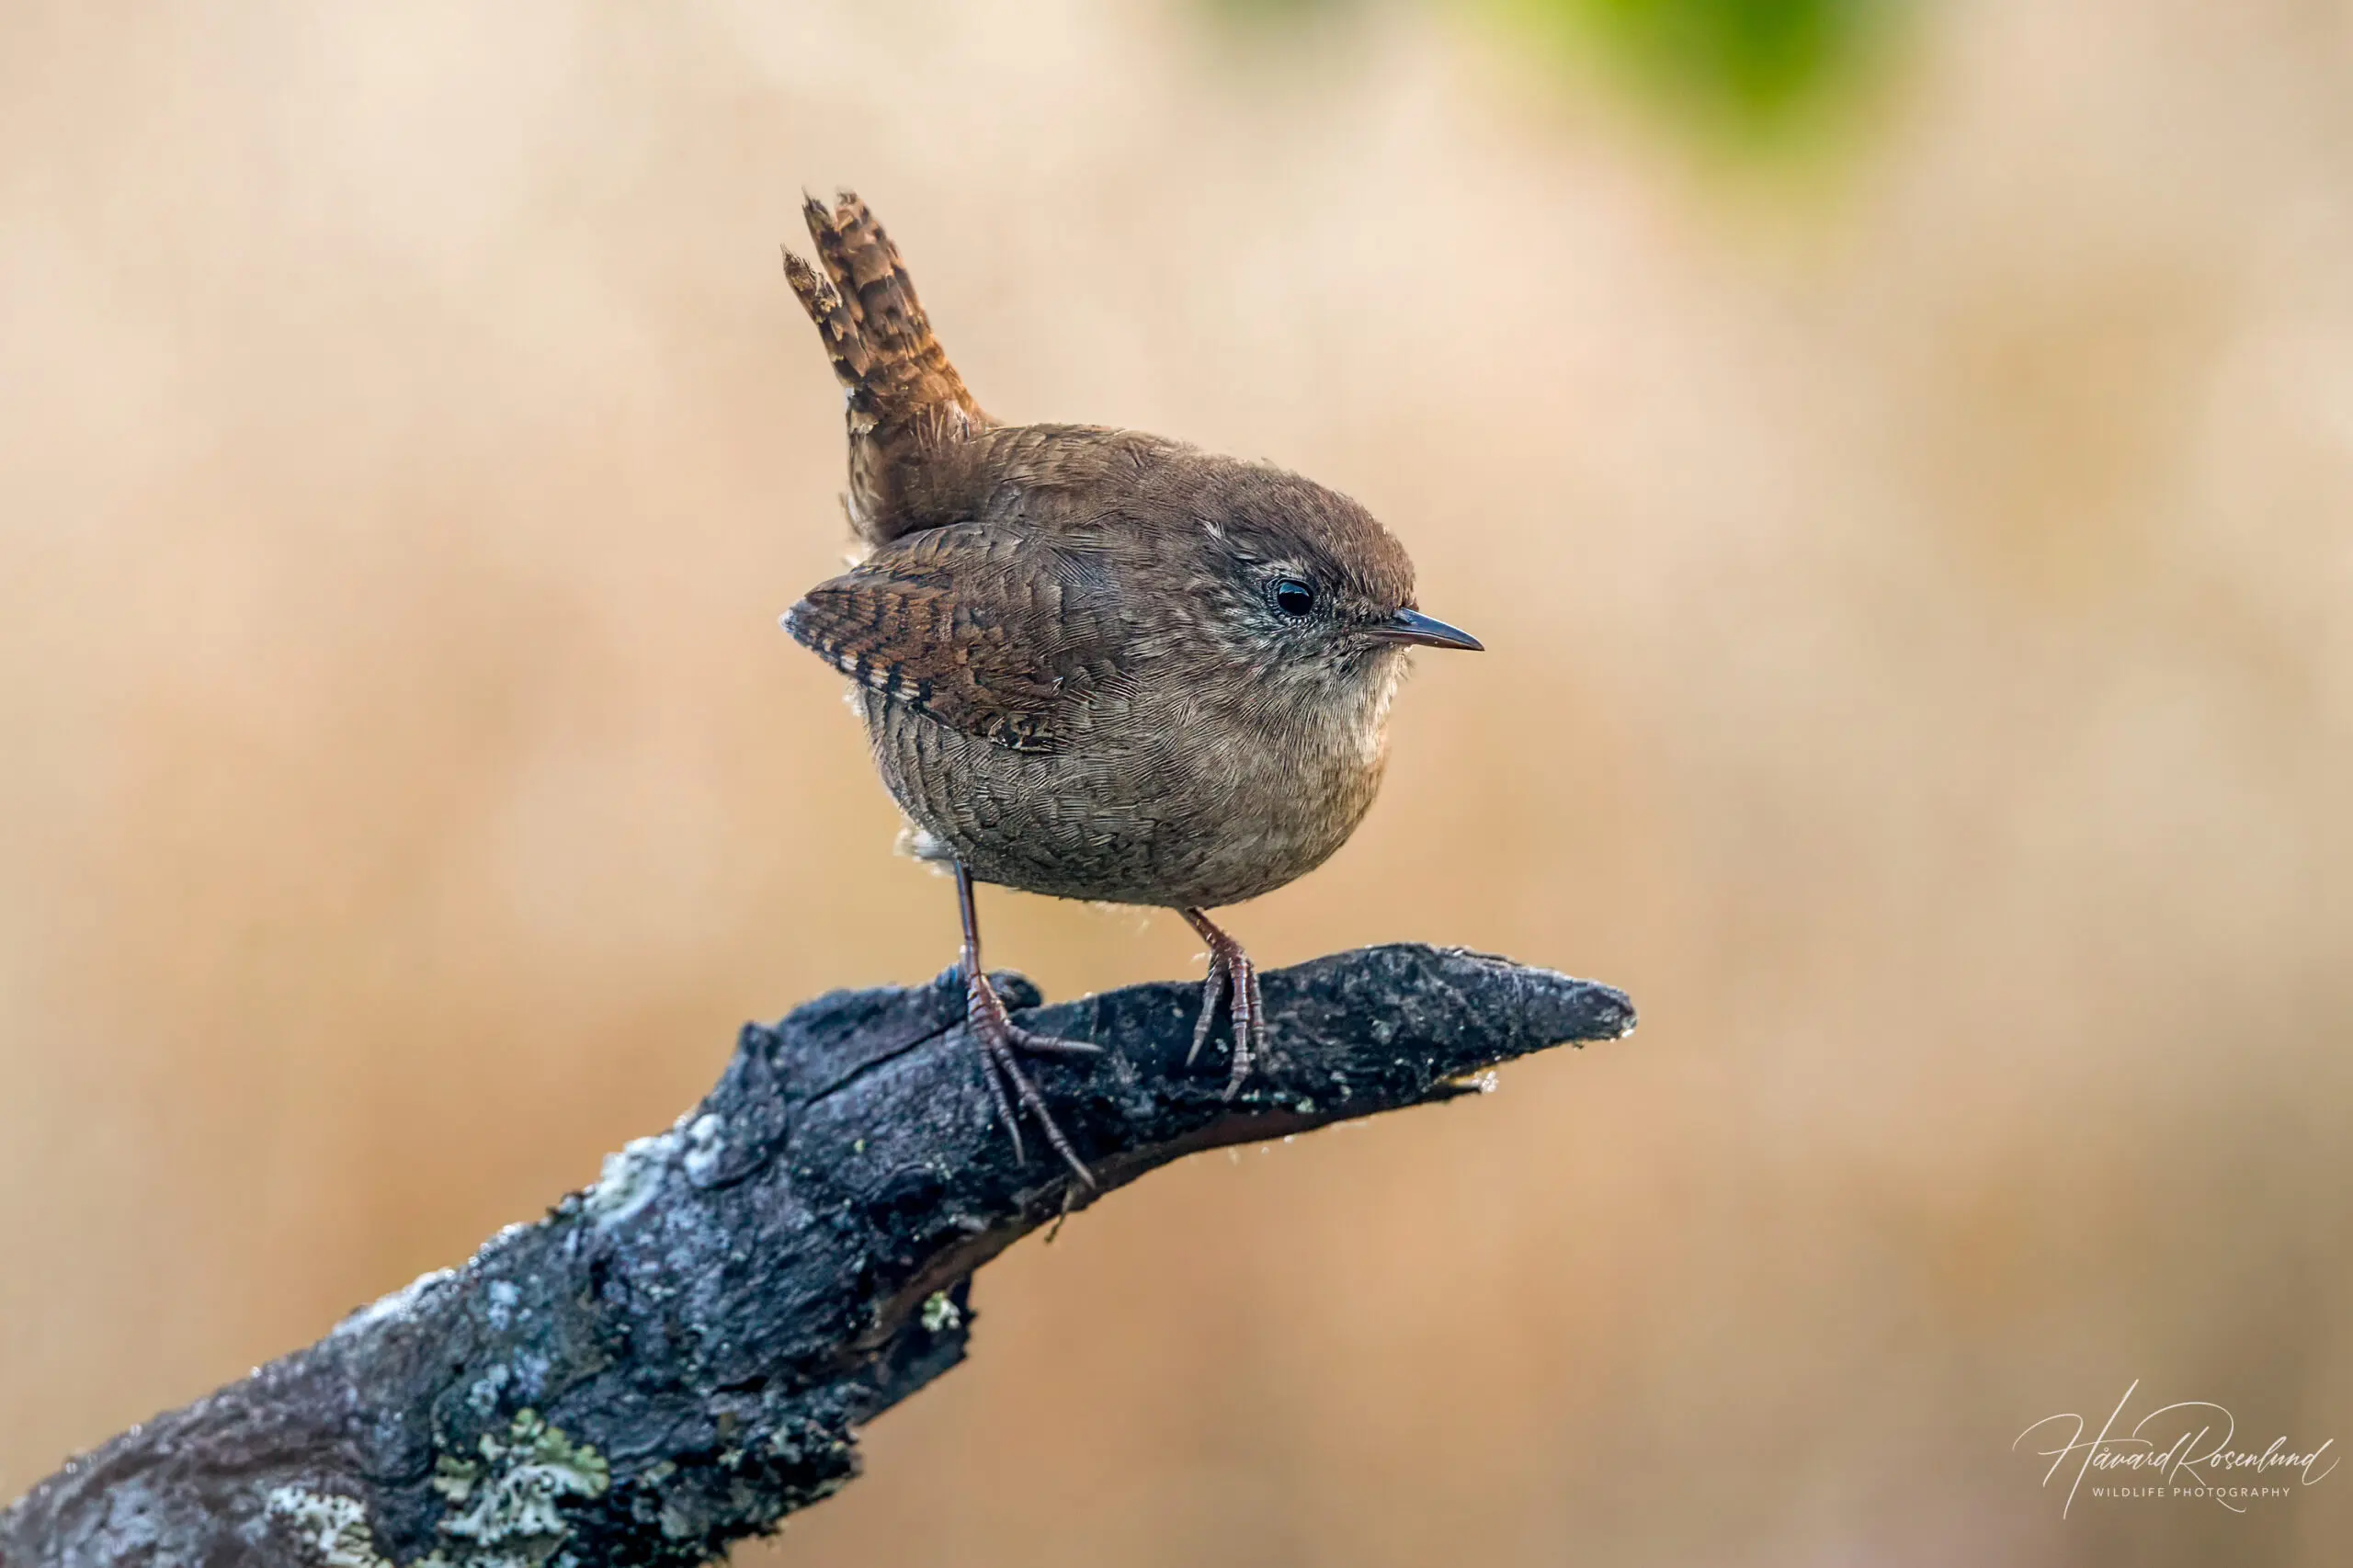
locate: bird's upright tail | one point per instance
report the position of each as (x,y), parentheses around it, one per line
(904,394)
(906,401)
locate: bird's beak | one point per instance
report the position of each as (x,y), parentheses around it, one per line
(1412,626)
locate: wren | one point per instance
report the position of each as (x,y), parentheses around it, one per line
(1092,662)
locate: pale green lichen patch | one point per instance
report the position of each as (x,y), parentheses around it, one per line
(511,1502)
(335,1527)
(507,1507)
(940,1314)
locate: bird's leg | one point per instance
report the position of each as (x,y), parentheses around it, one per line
(1231,973)
(999,1037)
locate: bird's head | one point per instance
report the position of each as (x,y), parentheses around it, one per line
(1304,586)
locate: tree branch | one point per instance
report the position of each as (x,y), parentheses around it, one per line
(677,1356)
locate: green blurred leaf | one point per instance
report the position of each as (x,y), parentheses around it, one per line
(1753,65)
(1754,69)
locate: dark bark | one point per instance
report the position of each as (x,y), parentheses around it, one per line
(679,1355)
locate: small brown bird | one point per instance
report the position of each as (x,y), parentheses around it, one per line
(1092,662)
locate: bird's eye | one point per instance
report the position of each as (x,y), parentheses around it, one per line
(1294,597)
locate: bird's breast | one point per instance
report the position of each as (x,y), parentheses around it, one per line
(1180,792)
(1267,783)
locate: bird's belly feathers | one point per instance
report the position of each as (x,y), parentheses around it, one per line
(1147,817)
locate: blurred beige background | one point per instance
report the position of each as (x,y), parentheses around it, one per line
(1917,573)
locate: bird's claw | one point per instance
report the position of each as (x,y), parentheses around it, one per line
(1231,977)
(999,1038)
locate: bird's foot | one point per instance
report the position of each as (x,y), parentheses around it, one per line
(999,1038)
(1232,975)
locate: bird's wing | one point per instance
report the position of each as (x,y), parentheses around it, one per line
(986,628)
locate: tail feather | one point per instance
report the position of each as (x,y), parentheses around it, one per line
(873,326)
(824,303)
(908,408)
